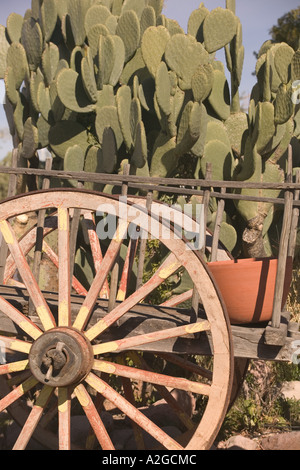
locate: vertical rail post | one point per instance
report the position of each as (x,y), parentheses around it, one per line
(143,245)
(206,197)
(295,220)
(216,234)
(283,247)
(73,235)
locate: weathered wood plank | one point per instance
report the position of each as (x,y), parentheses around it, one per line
(115,179)
(249,341)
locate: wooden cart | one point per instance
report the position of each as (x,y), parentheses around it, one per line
(73,350)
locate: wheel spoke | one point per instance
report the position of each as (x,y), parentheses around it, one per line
(187,365)
(164,393)
(19,378)
(27,243)
(133,413)
(14,367)
(36,295)
(167,269)
(16,344)
(17,393)
(17,317)
(64,307)
(178,299)
(151,377)
(14,283)
(88,219)
(33,418)
(64,419)
(135,341)
(101,275)
(54,258)
(93,417)
(131,252)
(99,405)
(137,431)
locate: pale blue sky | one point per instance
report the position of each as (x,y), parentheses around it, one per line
(257,17)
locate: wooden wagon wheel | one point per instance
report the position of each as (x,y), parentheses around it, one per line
(68,359)
(27,243)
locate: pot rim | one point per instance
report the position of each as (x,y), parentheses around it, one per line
(244,261)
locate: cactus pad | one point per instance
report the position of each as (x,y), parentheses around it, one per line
(32,40)
(30,139)
(14,27)
(129,31)
(219,29)
(107,116)
(184,55)
(4,46)
(71,92)
(97,14)
(195,23)
(65,134)
(202,82)
(219,155)
(16,59)
(219,98)
(153,47)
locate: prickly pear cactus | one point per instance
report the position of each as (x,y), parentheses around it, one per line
(98,82)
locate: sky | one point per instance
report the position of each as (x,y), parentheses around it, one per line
(257,18)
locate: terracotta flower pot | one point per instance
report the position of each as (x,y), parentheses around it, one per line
(247,287)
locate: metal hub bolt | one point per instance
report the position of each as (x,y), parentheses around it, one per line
(54,360)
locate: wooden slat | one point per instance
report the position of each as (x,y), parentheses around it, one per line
(142,248)
(206,198)
(64,282)
(216,234)
(89,226)
(283,248)
(114,281)
(73,234)
(40,227)
(295,221)
(248,340)
(145,181)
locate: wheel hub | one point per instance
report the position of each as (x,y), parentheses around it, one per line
(61,357)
